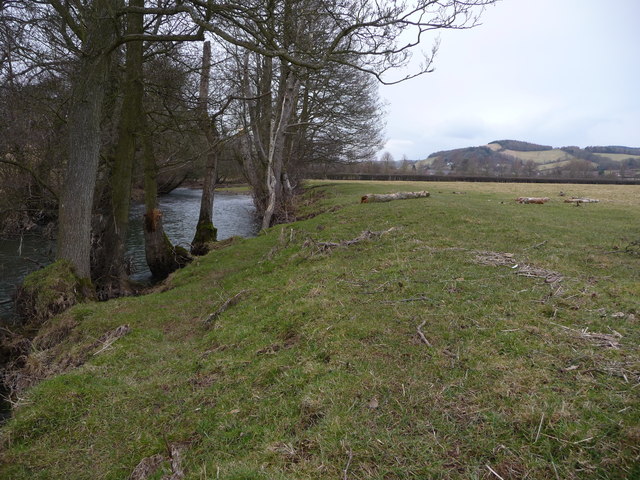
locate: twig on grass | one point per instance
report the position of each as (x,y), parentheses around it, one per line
(494,472)
(222,308)
(420,298)
(555,470)
(537,245)
(328,246)
(599,339)
(539,428)
(109,338)
(345,472)
(422,337)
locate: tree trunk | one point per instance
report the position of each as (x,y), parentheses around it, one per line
(110,272)
(76,202)
(162,256)
(205,231)
(277,147)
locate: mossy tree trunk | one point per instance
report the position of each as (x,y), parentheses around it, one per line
(109,270)
(206,233)
(162,256)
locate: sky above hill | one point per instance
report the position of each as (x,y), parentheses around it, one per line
(554,72)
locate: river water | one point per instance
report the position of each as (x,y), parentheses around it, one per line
(233,215)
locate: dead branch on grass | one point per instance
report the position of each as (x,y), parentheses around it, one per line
(578,201)
(495,259)
(323,247)
(421,334)
(109,338)
(222,308)
(420,298)
(549,276)
(345,472)
(537,245)
(604,340)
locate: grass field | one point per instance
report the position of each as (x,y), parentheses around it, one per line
(540,157)
(467,337)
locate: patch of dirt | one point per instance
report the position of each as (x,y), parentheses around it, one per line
(289,341)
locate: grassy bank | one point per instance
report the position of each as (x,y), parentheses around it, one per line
(467,337)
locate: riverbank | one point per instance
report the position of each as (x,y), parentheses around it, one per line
(234,215)
(464,336)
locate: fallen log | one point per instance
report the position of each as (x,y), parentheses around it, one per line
(537,200)
(578,201)
(374,197)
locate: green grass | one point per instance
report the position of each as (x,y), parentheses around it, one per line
(319,371)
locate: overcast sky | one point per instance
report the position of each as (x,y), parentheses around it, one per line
(555,72)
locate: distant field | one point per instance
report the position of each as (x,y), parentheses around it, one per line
(460,336)
(561,163)
(618,157)
(541,157)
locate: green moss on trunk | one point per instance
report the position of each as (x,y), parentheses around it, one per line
(50,291)
(206,234)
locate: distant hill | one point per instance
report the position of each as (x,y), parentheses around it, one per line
(520,146)
(615,150)
(515,157)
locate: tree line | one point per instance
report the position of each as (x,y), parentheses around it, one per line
(102,96)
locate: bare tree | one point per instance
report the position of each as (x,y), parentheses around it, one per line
(290,37)
(285,38)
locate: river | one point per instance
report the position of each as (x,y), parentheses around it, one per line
(233,215)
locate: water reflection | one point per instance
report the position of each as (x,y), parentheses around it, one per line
(233,215)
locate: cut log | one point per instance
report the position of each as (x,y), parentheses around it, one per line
(373,197)
(537,200)
(578,201)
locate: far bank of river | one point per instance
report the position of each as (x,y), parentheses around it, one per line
(234,215)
